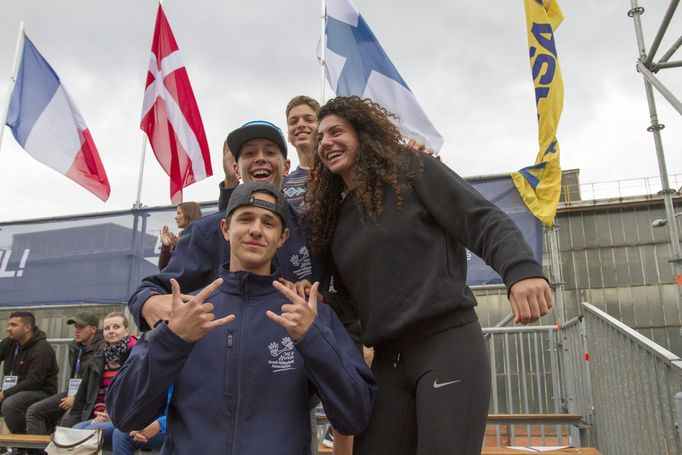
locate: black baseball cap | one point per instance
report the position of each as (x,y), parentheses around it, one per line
(243,195)
(256,129)
(84,318)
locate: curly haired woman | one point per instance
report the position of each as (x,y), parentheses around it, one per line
(395,225)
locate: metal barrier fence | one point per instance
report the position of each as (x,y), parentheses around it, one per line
(634,382)
(535,370)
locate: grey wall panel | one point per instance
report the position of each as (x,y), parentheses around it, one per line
(634,262)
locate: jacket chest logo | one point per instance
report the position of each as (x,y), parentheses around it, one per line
(283,353)
(301,262)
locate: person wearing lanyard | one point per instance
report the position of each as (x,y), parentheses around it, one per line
(43,416)
(30,368)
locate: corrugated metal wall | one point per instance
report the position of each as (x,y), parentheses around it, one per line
(613,258)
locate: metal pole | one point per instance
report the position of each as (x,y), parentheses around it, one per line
(678,414)
(555,272)
(323,44)
(661,31)
(670,52)
(12,78)
(656,128)
(667,94)
(138,204)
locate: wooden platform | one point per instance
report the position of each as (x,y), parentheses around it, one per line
(507,451)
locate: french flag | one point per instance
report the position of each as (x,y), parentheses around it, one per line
(45,121)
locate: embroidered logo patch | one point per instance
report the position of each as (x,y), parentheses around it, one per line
(283,352)
(301,262)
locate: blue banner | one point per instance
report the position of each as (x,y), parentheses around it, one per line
(502,192)
(102,258)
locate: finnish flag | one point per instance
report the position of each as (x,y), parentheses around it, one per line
(356,64)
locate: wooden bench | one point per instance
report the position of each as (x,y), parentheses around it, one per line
(24,441)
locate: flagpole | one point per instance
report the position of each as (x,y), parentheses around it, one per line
(323,24)
(12,79)
(138,203)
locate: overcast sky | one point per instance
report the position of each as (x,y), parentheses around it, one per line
(467,63)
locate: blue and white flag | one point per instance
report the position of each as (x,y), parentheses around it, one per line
(356,64)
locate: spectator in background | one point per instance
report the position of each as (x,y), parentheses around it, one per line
(30,369)
(185,213)
(149,438)
(43,416)
(89,410)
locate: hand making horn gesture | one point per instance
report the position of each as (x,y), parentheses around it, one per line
(194,319)
(297,316)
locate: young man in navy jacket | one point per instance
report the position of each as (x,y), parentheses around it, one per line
(260,153)
(245,367)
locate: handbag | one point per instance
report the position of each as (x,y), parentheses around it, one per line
(71,441)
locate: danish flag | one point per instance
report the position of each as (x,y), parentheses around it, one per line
(170,115)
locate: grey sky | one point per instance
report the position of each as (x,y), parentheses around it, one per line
(465,61)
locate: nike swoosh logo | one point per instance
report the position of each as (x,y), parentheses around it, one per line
(443,384)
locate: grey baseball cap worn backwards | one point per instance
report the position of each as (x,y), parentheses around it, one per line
(84,318)
(247,194)
(258,129)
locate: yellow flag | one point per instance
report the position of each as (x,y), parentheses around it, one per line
(540,184)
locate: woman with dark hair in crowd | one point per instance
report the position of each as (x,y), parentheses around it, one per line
(394,225)
(185,213)
(89,409)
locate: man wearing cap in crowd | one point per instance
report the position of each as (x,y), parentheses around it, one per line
(260,152)
(43,416)
(245,366)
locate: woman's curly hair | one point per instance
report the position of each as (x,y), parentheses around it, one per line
(375,168)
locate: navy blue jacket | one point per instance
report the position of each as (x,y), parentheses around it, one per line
(244,388)
(200,252)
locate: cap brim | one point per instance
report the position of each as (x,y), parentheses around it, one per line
(237,138)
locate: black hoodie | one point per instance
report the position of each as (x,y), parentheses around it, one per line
(35,364)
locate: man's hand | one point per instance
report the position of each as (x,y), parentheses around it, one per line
(66,403)
(298,316)
(2,396)
(194,319)
(158,307)
(530,299)
(101,417)
(301,288)
(145,435)
(229,167)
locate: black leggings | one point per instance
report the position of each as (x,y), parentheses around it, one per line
(433,397)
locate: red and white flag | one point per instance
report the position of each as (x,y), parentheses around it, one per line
(170,115)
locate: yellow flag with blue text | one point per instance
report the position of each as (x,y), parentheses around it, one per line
(540,184)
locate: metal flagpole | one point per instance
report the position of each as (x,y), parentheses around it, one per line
(138,204)
(555,272)
(12,78)
(323,25)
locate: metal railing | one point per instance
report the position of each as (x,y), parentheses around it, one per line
(634,382)
(617,188)
(532,373)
